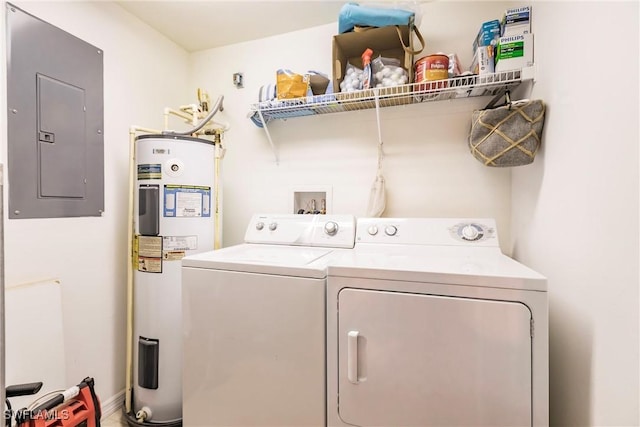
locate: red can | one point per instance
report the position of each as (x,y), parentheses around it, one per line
(432,68)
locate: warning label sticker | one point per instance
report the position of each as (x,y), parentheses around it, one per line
(150,254)
(149,171)
(149,265)
(174,247)
(187,201)
(179,243)
(174,255)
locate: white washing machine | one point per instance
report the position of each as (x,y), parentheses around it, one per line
(254,324)
(429,324)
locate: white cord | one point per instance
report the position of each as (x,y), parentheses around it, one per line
(380,143)
(42,398)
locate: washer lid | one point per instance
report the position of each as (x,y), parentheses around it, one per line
(467,266)
(264,259)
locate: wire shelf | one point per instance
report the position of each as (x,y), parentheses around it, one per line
(458,87)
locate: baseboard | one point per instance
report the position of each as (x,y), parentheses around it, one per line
(112,404)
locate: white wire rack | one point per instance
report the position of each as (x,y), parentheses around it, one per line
(458,87)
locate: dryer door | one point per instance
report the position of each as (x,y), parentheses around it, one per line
(423,360)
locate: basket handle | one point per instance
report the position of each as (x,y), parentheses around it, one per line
(495,99)
(409,49)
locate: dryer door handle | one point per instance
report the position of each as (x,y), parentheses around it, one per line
(352,357)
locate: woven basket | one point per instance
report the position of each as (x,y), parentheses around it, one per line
(509,135)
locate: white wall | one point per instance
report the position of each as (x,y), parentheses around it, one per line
(575,210)
(428,168)
(143,73)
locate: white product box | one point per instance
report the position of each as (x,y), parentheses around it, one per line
(514,52)
(488,34)
(483,61)
(516,21)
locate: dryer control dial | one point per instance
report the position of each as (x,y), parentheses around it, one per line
(273,226)
(373,230)
(331,228)
(259,226)
(390,230)
(469,232)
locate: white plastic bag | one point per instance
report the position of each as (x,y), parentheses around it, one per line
(388,72)
(352,80)
(377,198)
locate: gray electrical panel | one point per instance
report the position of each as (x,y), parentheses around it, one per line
(55,121)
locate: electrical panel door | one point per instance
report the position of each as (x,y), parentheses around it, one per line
(55,121)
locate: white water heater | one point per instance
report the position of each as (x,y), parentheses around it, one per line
(174,216)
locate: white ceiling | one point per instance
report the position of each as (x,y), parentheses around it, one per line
(198,25)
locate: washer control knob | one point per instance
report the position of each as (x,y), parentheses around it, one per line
(469,232)
(390,230)
(273,226)
(373,230)
(259,226)
(331,228)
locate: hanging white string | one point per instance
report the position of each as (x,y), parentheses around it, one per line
(380,143)
(377,197)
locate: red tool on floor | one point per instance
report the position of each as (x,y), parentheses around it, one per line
(77,406)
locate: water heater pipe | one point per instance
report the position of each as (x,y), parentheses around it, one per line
(216,108)
(192,110)
(130,231)
(183,115)
(2,315)
(217,244)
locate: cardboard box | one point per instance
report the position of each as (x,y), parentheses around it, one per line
(384,41)
(488,35)
(514,52)
(483,61)
(516,21)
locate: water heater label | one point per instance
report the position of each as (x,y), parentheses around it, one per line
(174,248)
(149,171)
(180,243)
(150,254)
(174,255)
(187,201)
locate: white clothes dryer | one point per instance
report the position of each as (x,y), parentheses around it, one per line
(254,324)
(430,324)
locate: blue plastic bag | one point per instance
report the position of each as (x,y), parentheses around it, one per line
(352,15)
